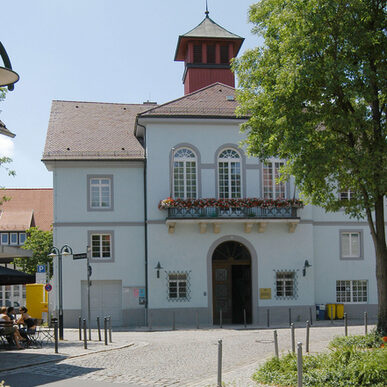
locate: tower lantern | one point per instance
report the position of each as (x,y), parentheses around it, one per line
(206,51)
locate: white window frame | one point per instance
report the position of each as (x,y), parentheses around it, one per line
(351,290)
(346,194)
(274,189)
(185,160)
(95,181)
(287,283)
(351,254)
(225,190)
(5,234)
(16,241)
(180,282)
(101,235)
(22,234)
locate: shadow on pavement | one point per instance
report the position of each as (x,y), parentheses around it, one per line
(45,375)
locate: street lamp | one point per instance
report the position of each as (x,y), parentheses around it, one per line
(7,76)
(55,252)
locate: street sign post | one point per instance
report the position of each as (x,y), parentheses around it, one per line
(48,287)
(89,270)
(40,276)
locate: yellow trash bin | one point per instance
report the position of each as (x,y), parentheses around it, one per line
(331,311)
(340,311)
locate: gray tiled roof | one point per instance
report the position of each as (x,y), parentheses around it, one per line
(209,29)
(214,101)
(92,130)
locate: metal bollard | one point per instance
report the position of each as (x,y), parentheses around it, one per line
(276,344)
(299,364)
(268,317)
(310,315)
(84,334)
(345,324)
(80,328)
(55,321)
(244,317)
(331,314)
(105,330)
(293,337)
(197,320)
(99,329)
(150,321)
(110,329)
(220,318)
(173,321)
(290,316)
(219,384)
(365,323)
(307,336)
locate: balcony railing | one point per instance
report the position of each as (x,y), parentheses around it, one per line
(287,212)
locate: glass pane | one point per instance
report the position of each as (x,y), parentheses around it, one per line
(345,252)
(355,245)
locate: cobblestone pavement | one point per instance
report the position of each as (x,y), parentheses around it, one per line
(168,358)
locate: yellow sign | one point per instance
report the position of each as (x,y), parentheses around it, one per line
(265,293)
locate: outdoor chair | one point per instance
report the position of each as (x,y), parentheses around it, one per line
(32,336)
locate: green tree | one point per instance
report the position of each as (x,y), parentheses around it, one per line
(316,95)
(40,242)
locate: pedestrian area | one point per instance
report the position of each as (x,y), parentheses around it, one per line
(161,358)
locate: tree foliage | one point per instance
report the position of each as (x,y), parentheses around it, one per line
(316,94)
(40,242)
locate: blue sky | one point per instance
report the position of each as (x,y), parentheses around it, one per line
(94,50)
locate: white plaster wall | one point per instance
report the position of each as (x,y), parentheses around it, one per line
(70,194)
(329,267)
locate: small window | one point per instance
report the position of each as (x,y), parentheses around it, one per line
(350,242)
(13,238)
(346,195)
(4,239)
(197,53)
(285,284)
(178,286)
(224,54)
(352,291)
(101,246)
(211,58)
(100,193)
(22,238)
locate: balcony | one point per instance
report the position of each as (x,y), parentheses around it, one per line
(214,212)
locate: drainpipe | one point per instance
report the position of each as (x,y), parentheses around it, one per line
(145,227)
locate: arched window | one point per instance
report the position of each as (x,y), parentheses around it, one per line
(184,174)
(229,172)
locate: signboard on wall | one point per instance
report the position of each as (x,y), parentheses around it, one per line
(265,293)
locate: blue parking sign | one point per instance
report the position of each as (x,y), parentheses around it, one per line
(41,269)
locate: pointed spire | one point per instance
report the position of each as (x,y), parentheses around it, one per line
(206,9)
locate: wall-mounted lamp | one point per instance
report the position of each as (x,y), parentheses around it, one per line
(306,264)
(158,268)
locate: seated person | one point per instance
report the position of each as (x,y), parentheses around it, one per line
(26,320)
(11,313)
(8,328)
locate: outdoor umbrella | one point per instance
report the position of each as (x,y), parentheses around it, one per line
(15,277)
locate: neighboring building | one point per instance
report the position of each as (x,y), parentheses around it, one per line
(114,168)
(32,207)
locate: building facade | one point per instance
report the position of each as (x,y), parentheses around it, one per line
(180,221)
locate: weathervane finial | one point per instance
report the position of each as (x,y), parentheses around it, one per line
(206,9)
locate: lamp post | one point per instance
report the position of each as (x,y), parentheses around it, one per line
(55,252)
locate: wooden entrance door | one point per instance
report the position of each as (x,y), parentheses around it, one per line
(231,283)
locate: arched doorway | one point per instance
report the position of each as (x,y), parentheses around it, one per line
(231,283)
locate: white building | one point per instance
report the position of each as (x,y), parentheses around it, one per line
(115,164)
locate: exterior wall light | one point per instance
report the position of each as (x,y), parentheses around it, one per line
(306,265)
(158,268)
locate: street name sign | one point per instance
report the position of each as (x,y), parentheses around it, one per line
(80,256)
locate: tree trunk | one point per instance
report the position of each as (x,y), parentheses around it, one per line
(379,238)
